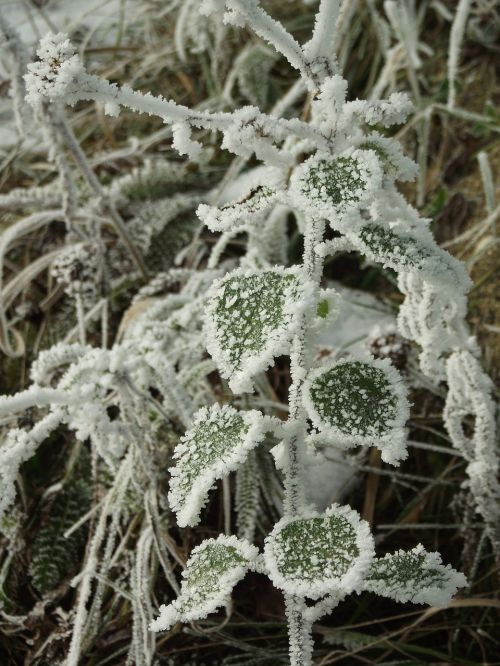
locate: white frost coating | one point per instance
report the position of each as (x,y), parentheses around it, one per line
(251,317)
(54,75)
(184,144)
(359,402)
(317,554)
(469,396)
(416,576)
(214,568)
(336,189)
(18,447)
(435,319)
(250,210)
(216,444)
(410,251)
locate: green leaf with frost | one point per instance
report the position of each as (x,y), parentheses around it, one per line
(359,403)
(403,250)
(319,554)
(336,188)
(416,576)
(212,571)
(239,214)
(218,441)
(251,318)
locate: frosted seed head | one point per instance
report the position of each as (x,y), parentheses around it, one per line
(55,73)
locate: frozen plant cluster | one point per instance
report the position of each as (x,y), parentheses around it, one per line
(337,173)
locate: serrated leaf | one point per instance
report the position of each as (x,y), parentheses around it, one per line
(358,403)
(416,576)
(336,188)
(319,554)
(218,441)
(404,250)
(212,571)
(252,317)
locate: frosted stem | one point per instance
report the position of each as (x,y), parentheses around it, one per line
(295,500)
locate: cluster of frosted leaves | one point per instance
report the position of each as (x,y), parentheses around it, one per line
(336,188)
(319,554)
(251,317)
(416,576)
(217,442)
(212,571)
(404,250)
(358,402)
(242,213)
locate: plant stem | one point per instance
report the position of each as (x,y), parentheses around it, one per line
(295,499)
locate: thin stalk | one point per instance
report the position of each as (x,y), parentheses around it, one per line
(81,161)
(294,499)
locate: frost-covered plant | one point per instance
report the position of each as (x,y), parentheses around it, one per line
(333,169)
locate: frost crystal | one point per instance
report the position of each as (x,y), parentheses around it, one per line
(416,576)
(320,553)
(219,440)
(357,403)
(251,317)
(212,571)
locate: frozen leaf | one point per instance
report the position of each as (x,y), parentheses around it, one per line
(391,156)
(253,75)
(249,210)
(403,250)
(218,441)
(356,403)
(319,554)
(251,317)
(416,576)
(336,188)
(212,571)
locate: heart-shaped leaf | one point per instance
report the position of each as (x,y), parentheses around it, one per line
(252,317)
(212,571)
(336,188)
(354,402)
(416,576)
(319,554)
(217,442)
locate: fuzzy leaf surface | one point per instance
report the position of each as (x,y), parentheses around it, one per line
(218,441)
(336,188)
(416,576)
(212,571)
(252,317)
(403,250)
(319,554)
(359,403)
